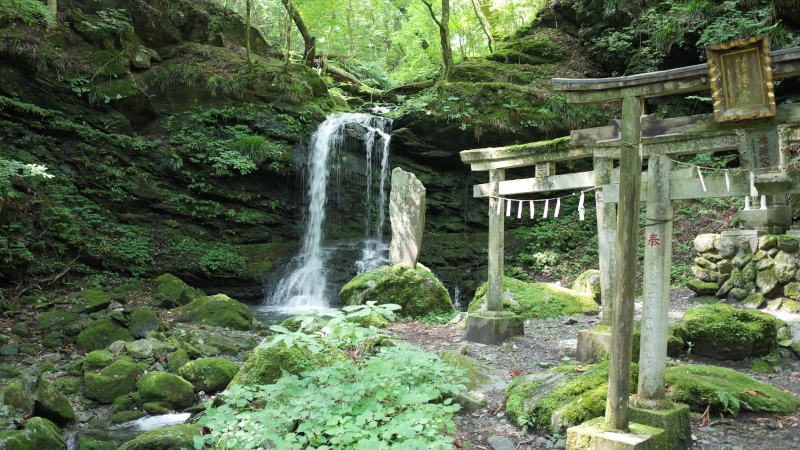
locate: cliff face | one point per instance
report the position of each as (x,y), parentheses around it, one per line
(170,154)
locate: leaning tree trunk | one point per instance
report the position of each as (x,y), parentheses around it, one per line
(52,6)
(249,5)
(444,37)
(310,41)
(484,25)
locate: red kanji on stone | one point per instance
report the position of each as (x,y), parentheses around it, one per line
(653,240)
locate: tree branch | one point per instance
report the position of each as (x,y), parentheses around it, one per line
(433,14)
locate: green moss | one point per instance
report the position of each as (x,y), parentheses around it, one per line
(127,416)
(792,290)
(16,397)
(217,310)
(725,332)
(417,291)
(178,436)
(97,360)
(101,333)
(790,306)
(155,408)
(762,366)
(177,359)
(171,291)
(165,387)
(113,381)
(87,443)
(477,372)
(39,434)
(702,288)
(516,394)
(209,374)
(588,283)
(266,365)
(56,320)
(700,386)
(121,403)
(52,404)
(88,301)
(538,300)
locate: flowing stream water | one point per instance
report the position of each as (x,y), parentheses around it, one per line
(306,286)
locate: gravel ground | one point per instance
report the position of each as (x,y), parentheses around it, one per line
(551,342)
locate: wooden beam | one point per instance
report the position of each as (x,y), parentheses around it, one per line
(570,181)
(704,123)
(593,135)
(501,161)
(785,63)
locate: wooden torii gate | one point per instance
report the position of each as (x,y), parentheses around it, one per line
(763,144)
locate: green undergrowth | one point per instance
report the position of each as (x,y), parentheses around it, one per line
(537,300)
(396,395)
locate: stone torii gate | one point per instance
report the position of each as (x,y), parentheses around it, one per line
(756,132)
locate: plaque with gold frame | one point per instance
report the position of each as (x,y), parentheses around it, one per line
(741,80)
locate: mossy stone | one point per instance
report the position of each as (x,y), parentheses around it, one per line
(172,292)
(164,387)
(209,374)
(21,329)
(113,381)
(67,386)
(101,333)
(417,290)
(121,403)
(39,434)
(792,290)
(87,443)
(168,438)
(177,359)
(88,301)
(588,283)
(790,306)
(266,365)
(372,320)
(56,320)
(754,301)
(127,416)
(702,288)
(7,372)
(724,332)
(537,300)
(477,372)
(155,408)
(766,242)
(97,360)
(750,272)
(700,386)
(52,404)
(142,322)
(762,366)
(217,310)
(787,242)
(17,396)
(767,280)
(53,340)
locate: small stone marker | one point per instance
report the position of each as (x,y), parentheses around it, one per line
(407,214)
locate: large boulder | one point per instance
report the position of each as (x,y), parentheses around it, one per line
(168,438)
(172,292)
(101,333)
(142,322)
(52,404)
(701,386)
(146,350)
(115,380)
(209,374)
(588,283)
(97,360)
(217,310)
(88,301)
(69,323)
(39,434)
(417,291)
(724,332)
(266,365)
(537,300)
(164,387)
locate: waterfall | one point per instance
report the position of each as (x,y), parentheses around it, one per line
(306,286)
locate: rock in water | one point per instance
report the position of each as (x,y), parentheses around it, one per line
(407,214)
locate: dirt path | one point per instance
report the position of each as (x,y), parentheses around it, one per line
(551,342)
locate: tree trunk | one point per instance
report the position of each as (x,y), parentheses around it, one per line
(310,41)
(52,6)
(484,26)
(444,37)
(350,28)
(249,5)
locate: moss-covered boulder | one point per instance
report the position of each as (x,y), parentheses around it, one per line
(164,387)
(39,434)
(702,287)
(169,438)
(19,396)
(588,283)
(52,404)
(97,360)
(113,381)
(209,374)
(724,332)
(63,321)
(172,292)
(217,310)
(537,300)
(88,443)
(88,301)
(143,321)
(700,386)
(560,398)
(177,359)
(127,416)
(266,365)
(417,291)
(101,333)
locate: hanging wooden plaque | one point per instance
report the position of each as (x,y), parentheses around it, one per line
(741,80)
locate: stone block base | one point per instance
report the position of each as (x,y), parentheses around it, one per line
(775,219)
(592,435)
(490,329)
(674,421)
(594,344)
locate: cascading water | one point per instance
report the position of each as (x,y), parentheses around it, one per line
(306,287)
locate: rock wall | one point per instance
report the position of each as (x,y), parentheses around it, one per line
(759,271)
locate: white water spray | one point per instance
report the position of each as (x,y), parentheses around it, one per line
(306,286)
